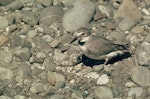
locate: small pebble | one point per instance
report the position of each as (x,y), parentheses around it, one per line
(23,53)
(102,80)
(36,88)
(145,11)
(3,39)
(32,33)
(47,38)
(137,29)
(55,43)
(93,75)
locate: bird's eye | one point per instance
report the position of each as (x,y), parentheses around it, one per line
(83,34)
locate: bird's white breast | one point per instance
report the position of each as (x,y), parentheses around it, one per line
(83,48)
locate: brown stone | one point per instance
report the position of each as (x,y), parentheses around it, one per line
(128,9)
(137,29)
(3,39)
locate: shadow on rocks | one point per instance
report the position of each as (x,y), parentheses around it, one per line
(91,62)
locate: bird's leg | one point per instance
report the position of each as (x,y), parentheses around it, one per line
(106,61)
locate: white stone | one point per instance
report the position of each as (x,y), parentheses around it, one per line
(129,84)
(47,38)
(103,79)
(145,11)
(40,55)
(93,75)
(72,81)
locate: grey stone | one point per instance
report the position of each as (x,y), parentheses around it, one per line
(6,57)
(128,9)
(137,91)
(43,75)
(126,24)
(54,77)
(141,75)
(4,22)
(58,96)
(147,2)
(46,2)
(77,95)
(147,38)
(5,97)
(50,15)
(89,97)
(40,45)
(146,22)
(25,43)
(5,2)
(26,68)
(37,87)
(48,30)
(68,2)
(24,29)
(66,38)
(36,71)
(118,88)
(59,57)
(15,41)
(102,92)
(60,84)
(23,53)
(30,19)
(32,33)
(15,5)
(49,64)
(20,97)
(55,43)
(78,16)
(142,54)
(6,74)
(20,76)
(117,37)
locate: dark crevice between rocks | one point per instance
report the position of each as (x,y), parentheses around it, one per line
(91,62)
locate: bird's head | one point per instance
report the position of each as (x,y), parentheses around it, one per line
(82,34)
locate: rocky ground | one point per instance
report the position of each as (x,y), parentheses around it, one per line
(39,58)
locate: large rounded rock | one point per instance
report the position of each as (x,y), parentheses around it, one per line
(141,75)
(50,15)
(78,16)
(143,54)
(128,9)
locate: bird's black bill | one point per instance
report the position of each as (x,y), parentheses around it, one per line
(81,43)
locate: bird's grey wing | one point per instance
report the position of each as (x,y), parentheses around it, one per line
(100,46)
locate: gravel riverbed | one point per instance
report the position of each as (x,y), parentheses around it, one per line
(40,59)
